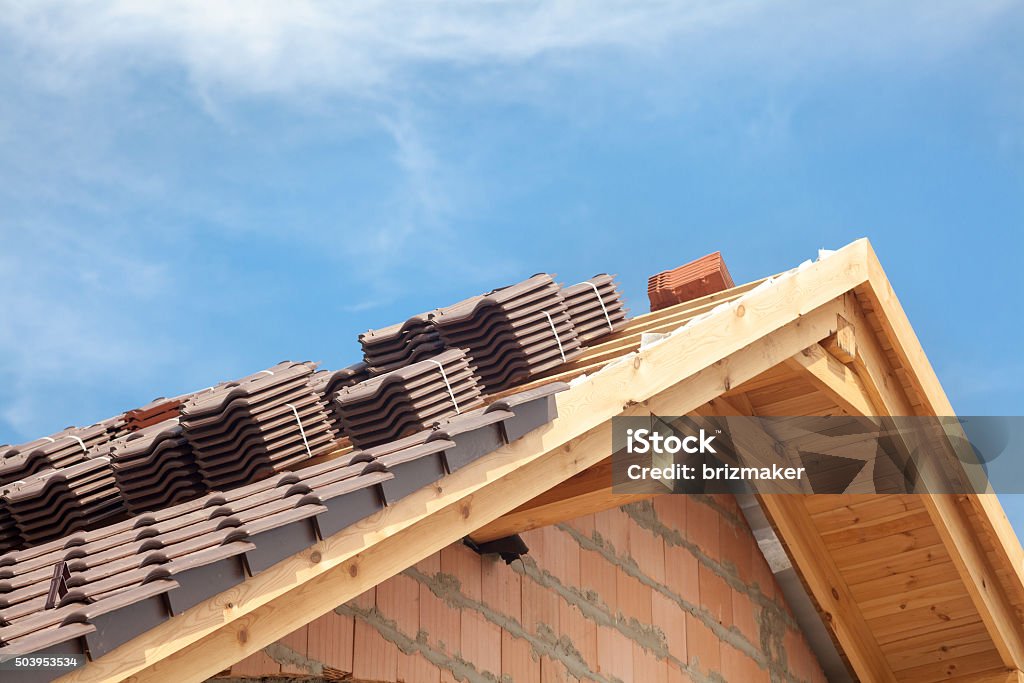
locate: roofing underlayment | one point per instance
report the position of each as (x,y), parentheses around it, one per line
(908,587)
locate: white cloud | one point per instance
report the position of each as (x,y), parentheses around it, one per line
(370,48)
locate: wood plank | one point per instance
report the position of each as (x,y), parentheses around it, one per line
(780,374)
(847,512)
(936,617)
(891,565)
(914,598)
(966,665)
(820,574)
(810,403)
(897,584)
(623,343)
(937,647)
(645,321)
(877,528)
(888,546)
(1000,676)
(841,503)
(878,292)
(979,578)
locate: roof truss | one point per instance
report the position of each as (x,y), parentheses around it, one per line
(808,321)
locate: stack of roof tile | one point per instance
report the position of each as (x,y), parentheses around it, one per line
(154,467)
(328,382)
(704,276)
(53,503)
(596,307)
(153,413)
(65,448)
(267,422)
(9,536)
(403,401)
(450,444)
(511,334)
(126,578)
(390,348)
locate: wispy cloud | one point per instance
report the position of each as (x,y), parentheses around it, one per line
(369,48)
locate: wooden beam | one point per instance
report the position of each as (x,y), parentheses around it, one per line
(537,516)
(991,677)
(979,577)
(833,378)
(285,613)
(591,491)
(843,344)
(684,310)
(873,368)
(628,339)
(585,493)
(1008,554)
(974,569)
(814,563)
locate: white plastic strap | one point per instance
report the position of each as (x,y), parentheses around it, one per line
(600,301)
(301,430)
(447,384)
(268,372)
(80,443)
(555,332)
(50,439)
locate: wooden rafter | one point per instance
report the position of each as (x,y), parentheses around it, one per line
(842,616)
(839,382)
(975,567)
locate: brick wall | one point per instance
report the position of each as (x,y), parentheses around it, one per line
(673,589)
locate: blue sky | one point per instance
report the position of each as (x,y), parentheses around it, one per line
(188,194)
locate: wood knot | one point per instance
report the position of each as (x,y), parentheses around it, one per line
(243,636)
(741,311)
(353,570)
(636,362)
(315,557)
(464,511)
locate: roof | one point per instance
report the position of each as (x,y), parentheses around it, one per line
(911,587)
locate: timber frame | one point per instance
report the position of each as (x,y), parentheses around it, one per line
(829,337)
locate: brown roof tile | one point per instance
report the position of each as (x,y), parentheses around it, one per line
(704,276)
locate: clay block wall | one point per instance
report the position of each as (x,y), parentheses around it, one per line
(673,589)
